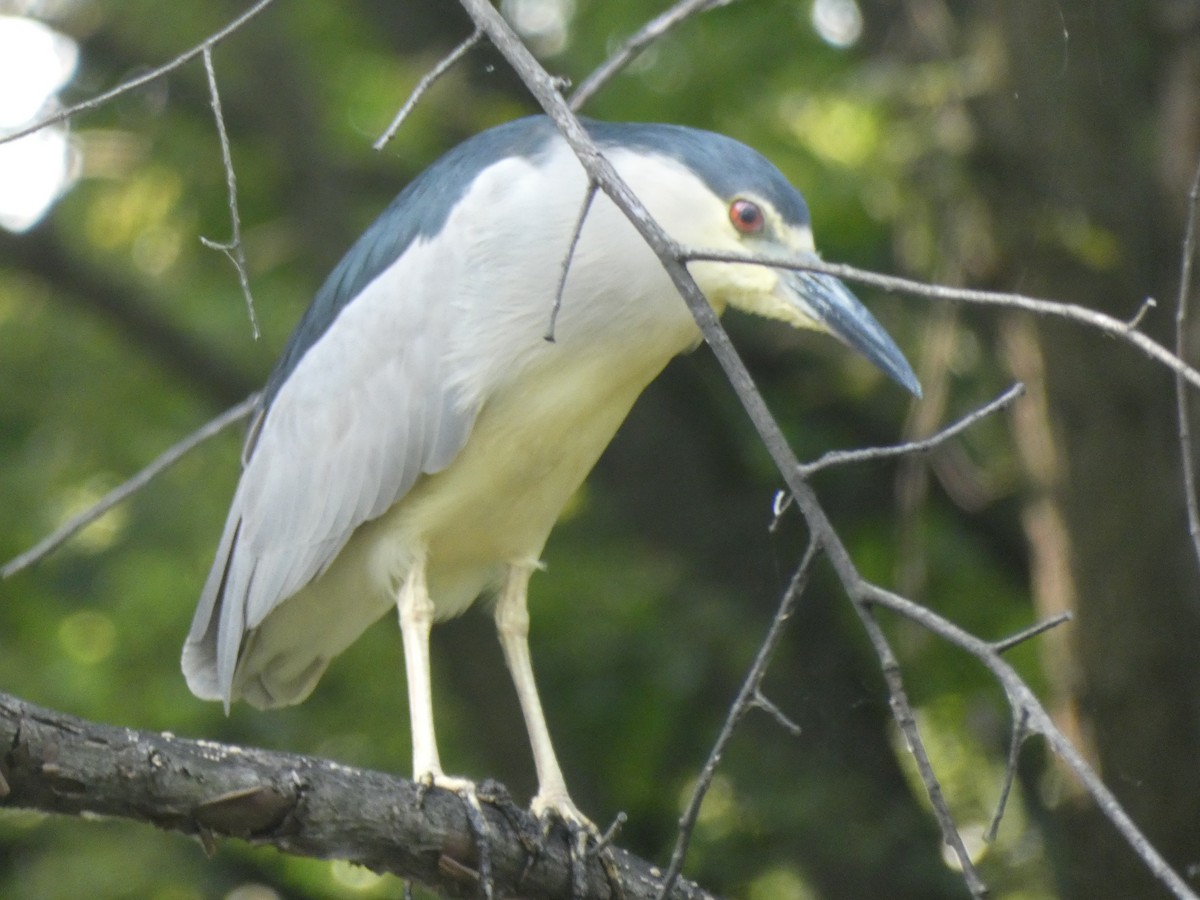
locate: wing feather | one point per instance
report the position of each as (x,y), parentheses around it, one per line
(365,412)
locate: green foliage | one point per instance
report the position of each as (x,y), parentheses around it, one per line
(646,620)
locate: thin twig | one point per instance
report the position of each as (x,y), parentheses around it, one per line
(1019,732)
(232,250)
(425,84)
(566,263)
(748,697)
(1098,320)
(1135,321)
(782,501)
(1181,399)
(845,457)
(781,718)
(610,834)
(1025,634)
(632,48)
(903,714)
(60,535)
(145,78)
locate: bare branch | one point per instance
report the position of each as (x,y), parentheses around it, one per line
(748,697)
(298,804)
(1135,320)
(783,502)
(845,457)
(585,207)
(632,48)
(1107,324)
(903,714)
(426,82)
(1024,702)
(145,78)
(1181,400)
(611,833)
(118,494)
(232,250)
(1003,646)
(783,720)
(1020,731)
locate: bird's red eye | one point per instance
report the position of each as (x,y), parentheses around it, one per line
(746,216)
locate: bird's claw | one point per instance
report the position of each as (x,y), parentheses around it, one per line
(585,840)
(551,808)
(466,790)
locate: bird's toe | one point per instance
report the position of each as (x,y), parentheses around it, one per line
(549,808)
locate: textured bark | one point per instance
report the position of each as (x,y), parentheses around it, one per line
(300,805)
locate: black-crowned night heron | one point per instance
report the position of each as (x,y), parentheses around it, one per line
(420,436)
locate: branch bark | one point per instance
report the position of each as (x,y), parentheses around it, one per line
(301,805)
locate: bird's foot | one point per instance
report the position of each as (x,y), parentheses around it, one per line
(464,787)
(549,807)
(585,839)
(466,790)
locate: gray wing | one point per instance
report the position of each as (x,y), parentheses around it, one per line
(368,408)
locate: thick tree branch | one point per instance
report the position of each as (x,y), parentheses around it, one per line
(301,805)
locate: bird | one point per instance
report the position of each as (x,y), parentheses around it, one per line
(420,435)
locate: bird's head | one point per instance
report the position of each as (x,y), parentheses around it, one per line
(711,192)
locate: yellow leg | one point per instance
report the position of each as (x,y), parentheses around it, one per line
(416,619)
(512,625)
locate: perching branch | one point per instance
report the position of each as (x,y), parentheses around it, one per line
(298,804)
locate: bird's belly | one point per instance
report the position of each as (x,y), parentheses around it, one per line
(495,504)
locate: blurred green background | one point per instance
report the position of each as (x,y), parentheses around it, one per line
(1044,147)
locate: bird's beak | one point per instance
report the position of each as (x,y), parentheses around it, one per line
(828,303)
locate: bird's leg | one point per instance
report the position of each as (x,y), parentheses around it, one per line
(416,611)
(512,625)
(416,620)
